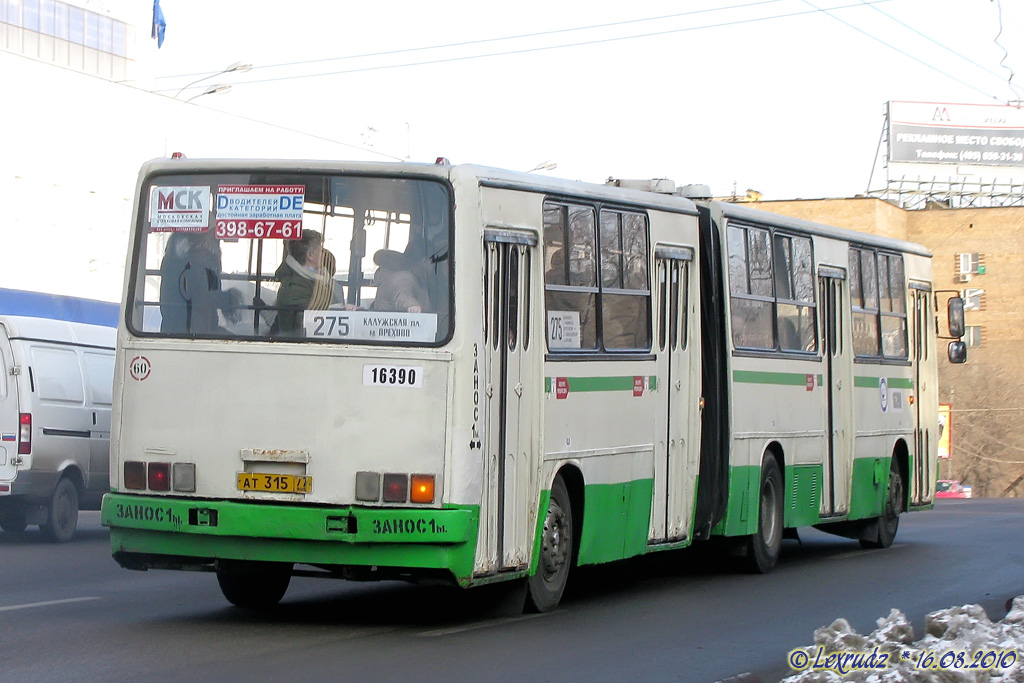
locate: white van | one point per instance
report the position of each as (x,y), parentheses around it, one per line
(56,379)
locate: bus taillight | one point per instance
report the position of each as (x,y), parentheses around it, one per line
(159,476)
(135,475)
(184,477)
(422,489)
(396,488)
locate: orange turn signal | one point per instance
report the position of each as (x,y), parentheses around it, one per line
(422,489)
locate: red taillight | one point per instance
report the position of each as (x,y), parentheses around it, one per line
(25,434)
(396,488)
(135,475)
(159,476)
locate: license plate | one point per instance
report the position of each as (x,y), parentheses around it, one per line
(274,483)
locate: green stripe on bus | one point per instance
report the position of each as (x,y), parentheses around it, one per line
(893,382)
(789,379)
(578,384)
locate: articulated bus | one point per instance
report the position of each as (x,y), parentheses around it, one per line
(467,375)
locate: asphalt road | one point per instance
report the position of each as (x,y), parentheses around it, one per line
(68,612)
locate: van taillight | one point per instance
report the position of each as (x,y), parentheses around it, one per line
(25,434)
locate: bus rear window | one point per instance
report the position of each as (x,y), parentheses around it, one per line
(293,257)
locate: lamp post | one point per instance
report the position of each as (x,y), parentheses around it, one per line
(544,166)
(237,67)
(212,90)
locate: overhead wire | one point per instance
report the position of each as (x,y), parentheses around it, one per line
(1006,54)
(906,54)
(481,41)
(541,48)
(946,47)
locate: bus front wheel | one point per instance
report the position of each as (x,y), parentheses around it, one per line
(253,585)
(763,547)
(545,587)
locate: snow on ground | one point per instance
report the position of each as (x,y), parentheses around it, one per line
(961,645)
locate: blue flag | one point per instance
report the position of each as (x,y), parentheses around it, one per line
(159,25)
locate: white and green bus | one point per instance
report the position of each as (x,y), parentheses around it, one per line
(461,374)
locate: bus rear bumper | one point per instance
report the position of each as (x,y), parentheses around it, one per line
(149,532)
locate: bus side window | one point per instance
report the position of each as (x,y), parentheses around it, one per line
(794,294)
(750,286)
(625,290)
(864,301)
(570,291)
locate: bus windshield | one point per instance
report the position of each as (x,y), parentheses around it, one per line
(293,257)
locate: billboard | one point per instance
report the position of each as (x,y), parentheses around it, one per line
(945,429)
(956,134)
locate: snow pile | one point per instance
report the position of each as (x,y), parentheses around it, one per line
(961,645)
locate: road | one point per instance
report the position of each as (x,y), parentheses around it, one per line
(68,612)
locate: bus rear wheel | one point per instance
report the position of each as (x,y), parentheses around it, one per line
(888,522)
(545,587)
(253,585)
(763,547)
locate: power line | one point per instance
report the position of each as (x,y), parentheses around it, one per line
(902,52)
(946,47)
(481,41)
(552,47)
(1006,55)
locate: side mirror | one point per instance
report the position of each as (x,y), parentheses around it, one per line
(957,352)
(955,317)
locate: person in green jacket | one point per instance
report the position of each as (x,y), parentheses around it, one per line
(307,282)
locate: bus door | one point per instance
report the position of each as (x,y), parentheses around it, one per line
(674,450)
(924,394)
(837,381)
(508,501)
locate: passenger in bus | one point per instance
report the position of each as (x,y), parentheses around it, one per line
(789,338)
(307,281)
(399,280)
(190,285)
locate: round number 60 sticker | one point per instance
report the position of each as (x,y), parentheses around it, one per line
(139,368)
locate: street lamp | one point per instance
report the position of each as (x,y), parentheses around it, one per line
(237,67)
(544,166)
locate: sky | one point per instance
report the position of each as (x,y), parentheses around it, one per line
(786,97)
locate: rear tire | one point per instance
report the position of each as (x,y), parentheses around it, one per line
(253,585)
(545,587)
(62,515)
(763,547)
(888,522)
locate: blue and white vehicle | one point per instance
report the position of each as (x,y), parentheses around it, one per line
(56,379)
